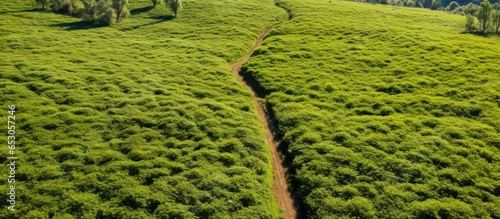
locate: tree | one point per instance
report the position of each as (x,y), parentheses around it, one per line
(427,3)
(155,2)
(459,10)
(496,6)
(60,6)
(436,4)
(99,11)
(174,5)
(470,26)
(419,4)
(90,13)
(470,9)
(77,9)
(496,21)
(121,10)
(484,15)
(42,3)
(452,6)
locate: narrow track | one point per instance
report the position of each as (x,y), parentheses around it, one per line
(280,187)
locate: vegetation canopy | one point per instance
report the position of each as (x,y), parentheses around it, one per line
(174,5)
(382,111)
(140,119)
(385,112)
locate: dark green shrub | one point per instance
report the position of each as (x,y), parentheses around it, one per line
(470,8)
(386,110)
(99,12)
(42,3)
(452,6)
(61,6)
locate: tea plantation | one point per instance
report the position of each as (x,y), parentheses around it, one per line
(385,112)
(380,112)
(138,120)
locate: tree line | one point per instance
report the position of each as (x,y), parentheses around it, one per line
(455,7)
(100,12)
(485,20)
(431,4)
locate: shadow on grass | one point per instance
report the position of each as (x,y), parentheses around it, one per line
(162,17)
(141,10)
(283,145)
(291,172)
(480,33)
(77,25)
(158,19)
(25,10)
(247,76)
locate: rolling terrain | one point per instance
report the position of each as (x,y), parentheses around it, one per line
(384,112)
(378,112)
(142,119)
(280,185)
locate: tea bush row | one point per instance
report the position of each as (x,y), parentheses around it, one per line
(386,112)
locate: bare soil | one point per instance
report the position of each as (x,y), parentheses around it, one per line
(280,186)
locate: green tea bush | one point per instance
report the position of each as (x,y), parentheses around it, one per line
(138,120)
(405,124)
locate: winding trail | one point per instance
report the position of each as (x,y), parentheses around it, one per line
(280,186)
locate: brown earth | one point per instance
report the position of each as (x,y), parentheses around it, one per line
(280,186)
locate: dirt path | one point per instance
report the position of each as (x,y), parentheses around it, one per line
(280,187)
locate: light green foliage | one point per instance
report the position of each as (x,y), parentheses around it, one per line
(496,21)
(120,8)
(141,119)
(431,4)
(470,24)
(387,112)
(77,8)
(105,12)
(174,5)
(42,3)
(68,7)
(484,15)
(99,12)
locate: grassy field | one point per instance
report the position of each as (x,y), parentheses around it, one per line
(138,120)
(386,112)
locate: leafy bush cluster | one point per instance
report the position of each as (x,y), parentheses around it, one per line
(69,7)
(151,125)
(431,4)
(385,113)
(102,12)
(456,8)
(105,12)
(485,19)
